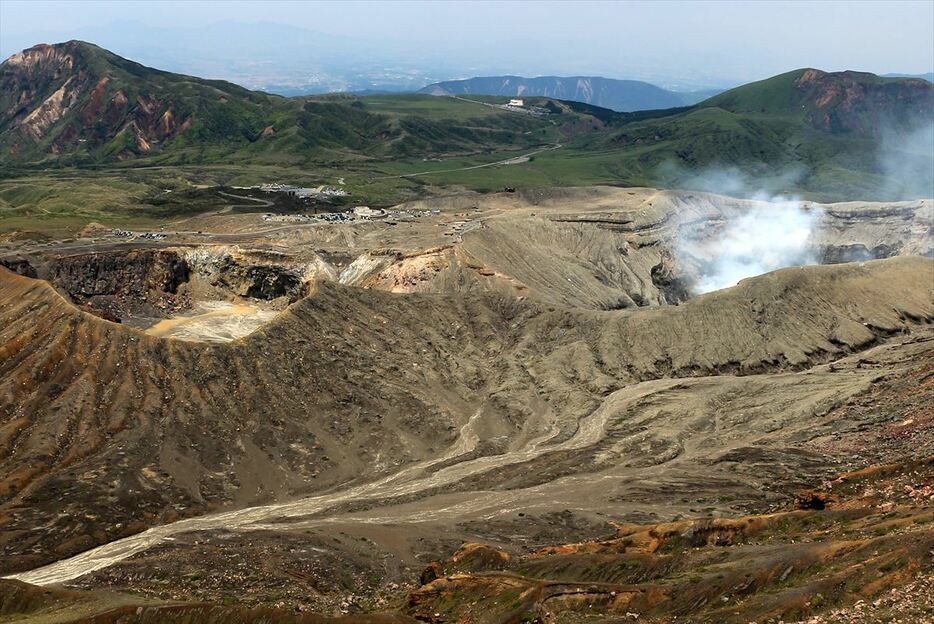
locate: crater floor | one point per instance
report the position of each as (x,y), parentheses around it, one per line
(213,321)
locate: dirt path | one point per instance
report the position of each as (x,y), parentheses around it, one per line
(265,202)
(409,481)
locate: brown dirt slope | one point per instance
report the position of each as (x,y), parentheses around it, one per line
(20,601)
(770,567)
(608,248)
(104,430)
(856,548)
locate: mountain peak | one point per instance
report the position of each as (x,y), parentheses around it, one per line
(837,102)
(75,96)
(43,53)
(45,50)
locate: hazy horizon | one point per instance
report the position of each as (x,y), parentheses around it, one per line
(402,45)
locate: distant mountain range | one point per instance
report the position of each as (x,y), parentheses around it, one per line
(77,103)
(617,95)
(928,76)
(844,134)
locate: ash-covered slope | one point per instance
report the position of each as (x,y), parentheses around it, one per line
(106,430)
(607,248)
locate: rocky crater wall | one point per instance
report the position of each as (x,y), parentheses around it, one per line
(156,283)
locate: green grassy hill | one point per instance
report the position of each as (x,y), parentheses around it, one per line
(839,103)
(75,103)
(827,136)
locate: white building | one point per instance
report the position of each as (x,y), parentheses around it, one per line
(365,212)
(516,102)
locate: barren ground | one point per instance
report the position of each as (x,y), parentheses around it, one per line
(315,412)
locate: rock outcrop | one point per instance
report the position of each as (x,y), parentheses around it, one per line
(141,282)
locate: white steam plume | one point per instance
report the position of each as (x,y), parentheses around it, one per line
(906,161)
(767,237)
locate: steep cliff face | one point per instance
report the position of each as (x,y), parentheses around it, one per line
(111,283)
(40,75)
(862,103)
(835,102)
(157,283)
(255,275)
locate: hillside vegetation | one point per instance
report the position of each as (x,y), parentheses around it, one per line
(75,103)
(827,136)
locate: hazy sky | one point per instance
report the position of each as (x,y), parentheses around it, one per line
(736,41)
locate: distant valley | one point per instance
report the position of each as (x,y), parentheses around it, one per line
(826,136)
(617,95)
